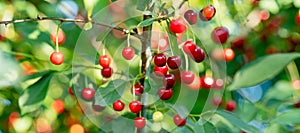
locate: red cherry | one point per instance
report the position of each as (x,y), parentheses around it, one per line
(140,122)
(58,106)
(217,101)
(179,121)
(138,89)
(13,117)
(178,25)
(189,46)
(238,42)
(174,62)
(107,72)
(298,18)
(165,94)
(196,84)
(297,104)
(97,108)
(207,13)
(230,105)
(187,77)
(88,94)
(229,54)
(220,35)
(128,53)
(118,105)
(104,61)
(57,58)
(70,91)
(160,60)
(61,37)
(135,106)
(160,71)
(198,55)
(264,15)
(191,16)
(169,81)
(207,82)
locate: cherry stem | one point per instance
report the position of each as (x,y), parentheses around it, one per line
(186,62)
(103,47)
(56,38)
(128,40)
(182,3)
(294,75)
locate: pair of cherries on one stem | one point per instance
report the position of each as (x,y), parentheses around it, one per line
(205,14)
(105,61)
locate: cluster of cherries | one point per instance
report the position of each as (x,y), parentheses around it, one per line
(104,61)
(205,14)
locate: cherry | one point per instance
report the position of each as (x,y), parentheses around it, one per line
(13,117)
(118,105)
(187,77)
(107,72)
(218,84)
(264,15)
(160,60)
(58,106)
(61,37)
(207,82)
(217,101)
(230,105)
(189,46)
(97,108)
(104,61)
(70,91)
(298,18)
(165,94)
(297,104)
(138,89)
(196,84)
(169,81)
(220,35)
(160,71)
(174,62)
(140,122)
(207,13)
(238,42)
(157,116)
(191,16)
(57,58)
(228,54)
(198,55)
(128,53)
(88,94)
(178,25)
(135,106)
(179,121)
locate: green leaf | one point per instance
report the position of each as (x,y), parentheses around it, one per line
(204,127)
(142,4)
(146,22)
(233,119)
(36,75)
(261,70)
(110,92)
(88,26)
(289,117)
(123,125)
(33,97)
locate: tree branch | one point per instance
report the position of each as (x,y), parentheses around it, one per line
(181,4)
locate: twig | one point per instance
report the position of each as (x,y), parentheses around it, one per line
(182,3)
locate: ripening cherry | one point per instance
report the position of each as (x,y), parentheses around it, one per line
(118,105)
(189,46)
(298,18)
(107,72)
(138,89)
(230,105)
(104,61)
(174,62)
(220,35)
(140,122)
(218,84)
(178,25)
(198,55)
(97,108)
(135,106)
(161,71)
(160,60)
(187,77)
(207,82)
(58,106)
(228,54)
(128,53)
(207,13)
(191,16)
(61,37)
(165,94)
(88,94)
(13,117)
(157,116)
(169,81)
(179,121)
(57,58)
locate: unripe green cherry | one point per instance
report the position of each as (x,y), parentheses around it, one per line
(157,116)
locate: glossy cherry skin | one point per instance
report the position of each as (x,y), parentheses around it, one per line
(188,47)
(118,105)
(57,58)
(229,54)
(169,81)
(179,121)
(207,13)
(191,16)
(207,82)
(97,108)
(135,106)
(165,94)
(198,55)
(174,62)
(128,53)
(160,71)
(230,105)
(160,60)
(187,77)
(107,72)
(157,116)
(220,35)
(140,122)
(178,25)
(88,94)
(138,89)
(104,61)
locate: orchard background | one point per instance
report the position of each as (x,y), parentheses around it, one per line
(201,66)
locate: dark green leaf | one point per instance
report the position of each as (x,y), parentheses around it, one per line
(142,4)
(33,97)
(36,75)
(204,127)
(261,70)
(289,117)
(233,119)
(110,92)
(146,22)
